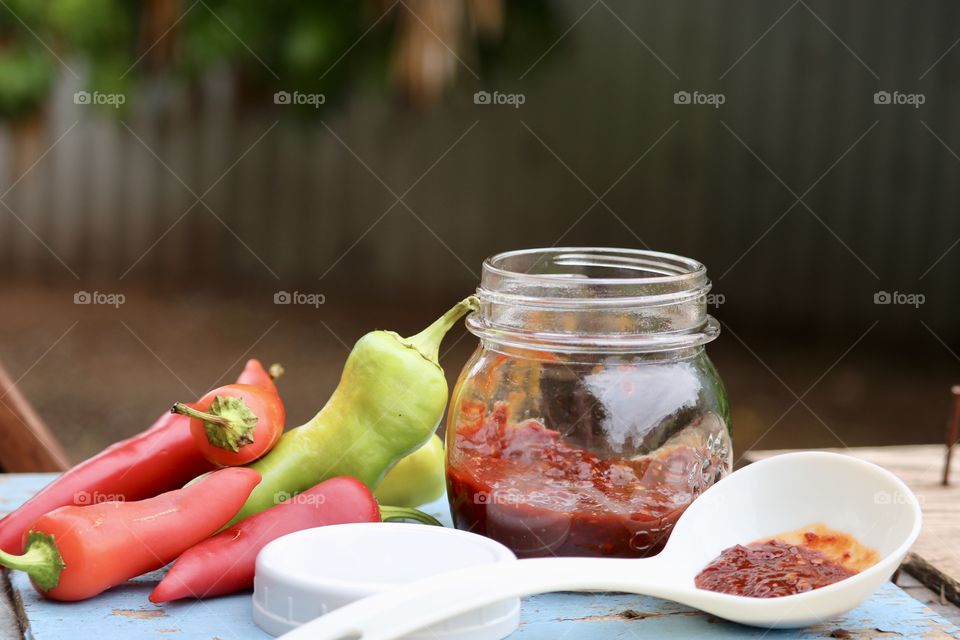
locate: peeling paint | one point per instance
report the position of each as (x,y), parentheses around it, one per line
(863,634)
(140,614)
(630,614)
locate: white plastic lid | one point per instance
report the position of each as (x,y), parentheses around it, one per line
(303,575)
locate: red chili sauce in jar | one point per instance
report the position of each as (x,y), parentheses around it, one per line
(523,485)
(793,563)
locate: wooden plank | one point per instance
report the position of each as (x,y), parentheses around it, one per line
(583,616)
(935,558)
(125,611)
(10,620)
(17,488)
(919,591)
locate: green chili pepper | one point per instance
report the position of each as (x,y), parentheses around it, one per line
(417,479)
(390,399)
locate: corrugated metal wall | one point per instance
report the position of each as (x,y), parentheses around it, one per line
(798,78)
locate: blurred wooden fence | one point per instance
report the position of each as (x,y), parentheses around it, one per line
(300,205)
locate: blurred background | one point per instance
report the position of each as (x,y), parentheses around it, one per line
(170,168)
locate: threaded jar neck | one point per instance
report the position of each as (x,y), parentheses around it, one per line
(577,299)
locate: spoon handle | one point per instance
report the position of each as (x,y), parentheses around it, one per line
(400,611)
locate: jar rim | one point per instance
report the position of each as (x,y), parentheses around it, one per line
(671,268)
(594,298)
(591,277)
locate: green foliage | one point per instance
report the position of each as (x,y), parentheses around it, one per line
(93,26)
(272,45)
(26,76)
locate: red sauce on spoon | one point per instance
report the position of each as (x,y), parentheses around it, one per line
(788,564)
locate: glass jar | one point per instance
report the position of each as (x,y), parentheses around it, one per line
(590,416)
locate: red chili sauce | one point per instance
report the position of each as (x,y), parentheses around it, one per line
(800,562)
(523,485)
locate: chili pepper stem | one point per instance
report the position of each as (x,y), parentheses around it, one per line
(427,342)
(185,410)
(388,513)
(41,561)
(229,424)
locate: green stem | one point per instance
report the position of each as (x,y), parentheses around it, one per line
(388,514)
(41,561)
(229,424)
(202,416)
(427,342)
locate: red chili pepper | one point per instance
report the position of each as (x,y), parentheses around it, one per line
(235,424)
(162,458)
(225,563)
(74,553)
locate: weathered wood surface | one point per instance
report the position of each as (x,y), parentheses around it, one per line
(125,612)
(919,591)
(935,558)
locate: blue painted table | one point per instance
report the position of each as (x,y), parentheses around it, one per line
(125,612)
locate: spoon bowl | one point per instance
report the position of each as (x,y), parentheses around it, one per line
(762,500)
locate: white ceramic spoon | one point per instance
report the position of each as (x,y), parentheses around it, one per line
(766,498)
